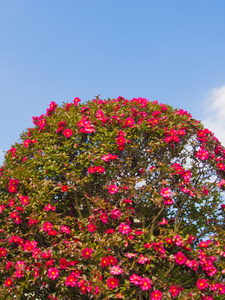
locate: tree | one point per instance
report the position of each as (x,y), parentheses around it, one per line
(113,199)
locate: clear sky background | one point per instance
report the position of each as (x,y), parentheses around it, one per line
(172,51)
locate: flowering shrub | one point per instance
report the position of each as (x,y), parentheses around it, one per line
(113,199)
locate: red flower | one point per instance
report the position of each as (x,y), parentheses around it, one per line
(104,262)
(112,260)
(3,252)
(64,188)
(112,282)
(121,141)
(8,282)
(86,252)
(67,133)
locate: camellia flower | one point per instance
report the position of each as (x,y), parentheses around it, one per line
(202,154)
(104,218)
(156,295)
(53,273)
(116,270)
(113,189)
(112,282)
(67,133)
(124,228)
(115,213)
(64,188)
(174,290)
(166,192)
(104,262)
(180,258)
(135,279)
(202,284)
(8,282)
(142,259)
(86,252)
(65,229)
(76,101)
(71,280)
(3,252)
(92,227)
(164,222)
(47,226)
(145,284)
(130,255)
(207,297)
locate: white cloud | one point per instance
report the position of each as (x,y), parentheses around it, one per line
(215,113)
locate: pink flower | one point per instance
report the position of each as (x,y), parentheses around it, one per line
(65,229)
(124,229)
(135,279)
(49,207)
(53,273)
(67,133)
(92,227)
(145,284)
(76,101)
(47,226)
(202,154)
(156,295)
(130,255)
(180,258)
(104,218)
(164,222)
(129,122)
(116,270)
(19,273)
(112,282)
(113,189)
(115,213)
(207,297)
(166,192)
(20,265)
(142,259)
(202,284)
(86,252)
(174,290)
(24,200)
(71,280)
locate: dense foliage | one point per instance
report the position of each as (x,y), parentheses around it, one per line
(113,199)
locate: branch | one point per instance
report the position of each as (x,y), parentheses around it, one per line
(77,205)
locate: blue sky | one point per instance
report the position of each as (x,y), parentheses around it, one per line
(166,50)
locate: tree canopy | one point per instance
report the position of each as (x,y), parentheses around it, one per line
(113,199)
